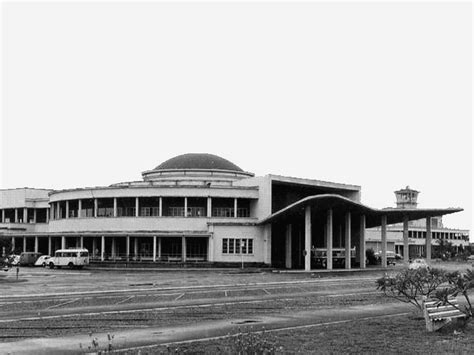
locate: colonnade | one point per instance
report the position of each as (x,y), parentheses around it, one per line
(102,253)
(329,237)
(232,210)
(20,215)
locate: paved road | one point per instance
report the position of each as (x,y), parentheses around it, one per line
(145,308)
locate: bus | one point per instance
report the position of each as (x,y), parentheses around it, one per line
(72,258)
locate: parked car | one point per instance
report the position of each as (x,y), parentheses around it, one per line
(43,260)
(28,258)
(13,259)
(418,264)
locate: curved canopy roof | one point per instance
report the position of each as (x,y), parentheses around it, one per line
(201,161)
(321,203)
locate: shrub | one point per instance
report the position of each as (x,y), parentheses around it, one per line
(410,286)
(371,258)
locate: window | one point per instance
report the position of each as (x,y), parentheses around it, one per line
(237,246)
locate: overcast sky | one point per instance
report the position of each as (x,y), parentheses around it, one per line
(372,94)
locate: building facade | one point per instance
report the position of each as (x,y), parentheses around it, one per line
(203,208)
(408,198)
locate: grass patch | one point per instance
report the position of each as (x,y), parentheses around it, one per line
(404,334)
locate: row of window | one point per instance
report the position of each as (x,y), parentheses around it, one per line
(71,254)
(237,246)
(154,212)
(437,235)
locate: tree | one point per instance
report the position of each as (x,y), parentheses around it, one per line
(444,250)
(411,285)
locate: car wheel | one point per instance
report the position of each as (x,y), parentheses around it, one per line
(51,265)
(44,264)
(70,265)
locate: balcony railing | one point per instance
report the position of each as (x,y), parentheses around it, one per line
(176,211)
(149,211)
(229,212)
(196,212)
(223,212)
(126,212)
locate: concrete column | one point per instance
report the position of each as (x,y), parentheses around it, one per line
(137,206)
(94,247)
(25,215)
(135,248)
(24,244)
(209,207)
(210,248)
(362,242)
(47,215)
(428,240)
(102,248)
(16,215)
(63,242)
(3,216)
(159,248)
(347,240)
(307,238)
(329,238)
(51,211)
(113,248)
(79,208)
(13,244)
(81,242)
(406,256)
(185,207)
(267,244)
(58,211)
(154,248)
(34,215)
(115,206)
(127,248)
(288,261)
(36,244)
(384,240)
(160,207)
(235,208)
(67,208)
(183,249)
(50,246)
(339,235)
(96,205)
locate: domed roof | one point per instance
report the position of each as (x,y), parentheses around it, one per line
(198,161)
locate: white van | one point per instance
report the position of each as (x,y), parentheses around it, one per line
(72,258)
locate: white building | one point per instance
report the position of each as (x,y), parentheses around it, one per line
(201,208)
(408,199)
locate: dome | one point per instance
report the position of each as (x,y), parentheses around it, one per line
(198,161)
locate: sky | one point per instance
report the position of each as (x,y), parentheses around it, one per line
(376,94)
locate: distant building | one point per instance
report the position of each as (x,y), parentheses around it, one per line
(201,208)
(408,199)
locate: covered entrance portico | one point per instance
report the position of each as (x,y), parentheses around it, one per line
(328,231)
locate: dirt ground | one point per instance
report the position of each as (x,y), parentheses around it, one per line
(187,313)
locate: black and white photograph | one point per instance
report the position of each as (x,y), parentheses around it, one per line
(236,177)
